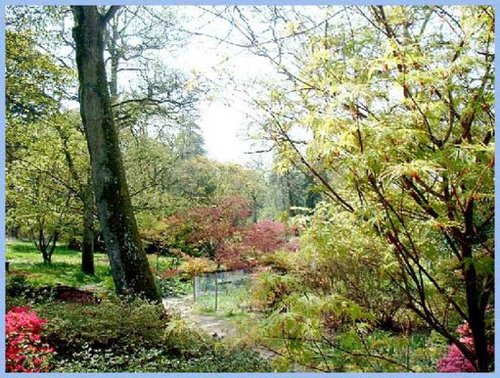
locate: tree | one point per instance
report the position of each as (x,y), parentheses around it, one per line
(265,236)
(209,231)
(36,86)
(401,131)
(40,192)
(129,263)
(43,201)
(214,226)
(77,162)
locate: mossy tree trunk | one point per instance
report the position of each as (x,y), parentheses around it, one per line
(129,263)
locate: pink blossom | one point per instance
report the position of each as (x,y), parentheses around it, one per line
(455,361)
(25,351)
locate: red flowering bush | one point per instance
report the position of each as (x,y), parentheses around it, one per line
(455,361)
(24,349)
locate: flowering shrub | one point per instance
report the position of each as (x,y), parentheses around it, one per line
(455,361)
(25,351)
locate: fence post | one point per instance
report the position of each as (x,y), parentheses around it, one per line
(216,289)
(194,288)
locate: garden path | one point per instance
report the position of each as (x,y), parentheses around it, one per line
(216,326)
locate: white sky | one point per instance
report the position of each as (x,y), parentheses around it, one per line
(223,117)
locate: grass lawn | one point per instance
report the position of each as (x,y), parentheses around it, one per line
(230,303)
(25,259)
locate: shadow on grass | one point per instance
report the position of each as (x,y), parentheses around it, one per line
(62,273)
(65,268)
(30,248)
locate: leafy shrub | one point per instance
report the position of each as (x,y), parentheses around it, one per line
(270,289)
(194,266)
(25,351)
(135,336)
(280,261)
(112,322)
(297,330)
(175,286)
(343,256)
(16,285)
(265,236)
(210,359)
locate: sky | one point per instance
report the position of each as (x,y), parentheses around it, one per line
(223,114)
(224,117)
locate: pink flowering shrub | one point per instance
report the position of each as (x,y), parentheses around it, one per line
(455,361)
(24,349)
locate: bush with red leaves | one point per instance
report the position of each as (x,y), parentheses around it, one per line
(72,294)
(455,361)
(24,349)
(265,236)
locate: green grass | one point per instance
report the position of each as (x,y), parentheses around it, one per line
(25,259)
(230,303)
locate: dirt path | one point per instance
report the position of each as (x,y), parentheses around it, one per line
(216,326)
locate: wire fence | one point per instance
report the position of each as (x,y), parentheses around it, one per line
(220,284)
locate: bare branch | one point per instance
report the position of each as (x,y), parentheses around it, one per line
(109,14)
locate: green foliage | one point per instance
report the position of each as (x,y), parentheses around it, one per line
(45,189)
(270,290)
(175,286)
(73,326)
(193,266)
(156,360)
(39,189)
(15,287)
(346,256)
(135,335)
(333,333)
(383,137)
(398,114)
(33,80)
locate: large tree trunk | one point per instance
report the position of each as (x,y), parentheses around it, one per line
(129,263)
(88,232)
(476,313)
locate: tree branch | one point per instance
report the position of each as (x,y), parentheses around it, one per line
(109,14)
